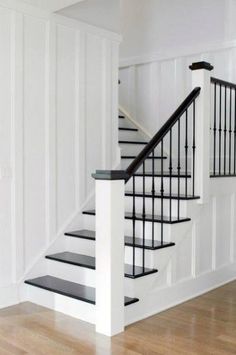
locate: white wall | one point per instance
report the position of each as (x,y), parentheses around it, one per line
(102,13)
(58,124)
(157,26)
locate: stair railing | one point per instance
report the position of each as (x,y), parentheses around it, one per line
(177,137)
(223,129)
(183,147)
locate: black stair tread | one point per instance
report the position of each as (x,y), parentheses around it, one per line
(88,234)
(70,289)
(132,142)
(128,129)
(221,175)
(138,271)
(83,234)
(133,157)
(159,195)
(121,116)
(89,263)
(164,174)
(149,244)
(148,217)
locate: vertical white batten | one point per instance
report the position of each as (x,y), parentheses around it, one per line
(201,78)
(109,252)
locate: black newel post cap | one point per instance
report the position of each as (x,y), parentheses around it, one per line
(110,175)
(201,65)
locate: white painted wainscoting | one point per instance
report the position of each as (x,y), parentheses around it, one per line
(58,111)
(153,86)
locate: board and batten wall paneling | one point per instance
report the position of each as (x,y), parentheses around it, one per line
(58,117)
(34,79)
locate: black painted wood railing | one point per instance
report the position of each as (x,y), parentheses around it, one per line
(223,129)
(175,146)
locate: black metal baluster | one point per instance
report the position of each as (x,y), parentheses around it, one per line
(144,216)
(170,169)
(214,149)
(194,148)
(162,192)
(230,129)
(153,196)
(220,130)
(178,169)
(186,152)
(133,221)
(225,130)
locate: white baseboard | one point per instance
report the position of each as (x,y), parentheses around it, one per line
(8,296)
(160,300)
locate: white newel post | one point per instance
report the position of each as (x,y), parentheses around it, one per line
(110,251)
(201,77)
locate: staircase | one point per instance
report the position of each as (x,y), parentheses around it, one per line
(160,190)
(131,142)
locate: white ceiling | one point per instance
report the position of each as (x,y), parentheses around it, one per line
(101,13)
(52,5)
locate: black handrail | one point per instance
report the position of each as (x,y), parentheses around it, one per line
(148,149)
(223,82)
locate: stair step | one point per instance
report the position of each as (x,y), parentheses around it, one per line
(159,195)
(89,263)
(83,234)
(133,142)
(217,175)
(134,156)
(164,174)
(147,218)
(149,244)
(128,129)
(70,289)
(88,234)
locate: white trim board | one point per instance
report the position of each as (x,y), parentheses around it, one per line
(9,296)
(166,298)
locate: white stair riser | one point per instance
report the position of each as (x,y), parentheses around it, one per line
(81,246)
(154,259)
(157,182)
(126,123)
(71,273)
(131,136)
(148,165)
(167,203)
(131,149)
(72,307)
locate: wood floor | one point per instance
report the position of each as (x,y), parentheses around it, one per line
(205,325)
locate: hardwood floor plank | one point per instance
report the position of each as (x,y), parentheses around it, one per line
(203,326)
